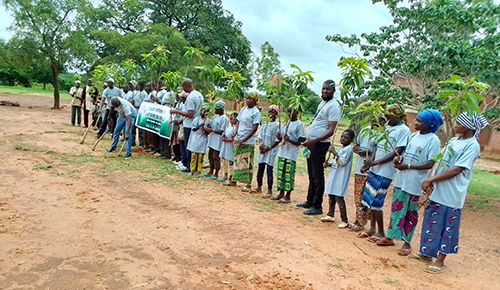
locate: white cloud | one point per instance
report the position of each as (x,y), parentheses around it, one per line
(297,29)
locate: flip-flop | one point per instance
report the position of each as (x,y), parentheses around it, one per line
(434,269)
(404,252)
(221,180)
(373,239)
(418,257)
(206,175)
(363,235)
(385,242)
(282,200)
(213,178)
(356,228)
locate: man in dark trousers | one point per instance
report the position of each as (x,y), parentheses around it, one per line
(318,141)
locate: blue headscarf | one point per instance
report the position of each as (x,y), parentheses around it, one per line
(432,118)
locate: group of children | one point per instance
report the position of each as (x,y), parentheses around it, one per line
(404,157)
(407,159)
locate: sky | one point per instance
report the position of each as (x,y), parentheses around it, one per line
(296,29)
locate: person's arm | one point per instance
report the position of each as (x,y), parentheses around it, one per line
(445,175)
(129,125)
(413,166)
(387,158)
(248,136)
(331,128)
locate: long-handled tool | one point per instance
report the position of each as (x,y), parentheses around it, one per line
(121,148)
(98,140)
(86,132)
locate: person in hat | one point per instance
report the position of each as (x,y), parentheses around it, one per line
(76,102)
(413,168)
(381,172)
(268,148)
(215,129)
(317,142)
(244,142)
(110,92)
(448,190)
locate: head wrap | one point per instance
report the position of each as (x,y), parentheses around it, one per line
(274,107)
(220,105)
(475,123)
(110,80)
(432,118)
(78,82)
(397,111)
(253,96)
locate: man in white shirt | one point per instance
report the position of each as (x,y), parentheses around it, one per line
(318,140)
(126,118)
(76,102)
(194,103)
(109,93)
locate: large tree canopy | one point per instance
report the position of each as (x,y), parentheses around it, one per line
(428,41)
(267,65)
(51,30)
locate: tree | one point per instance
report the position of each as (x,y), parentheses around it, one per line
(52,29)
(267,65)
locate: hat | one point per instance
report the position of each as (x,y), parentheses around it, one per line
(220,105)
(78,82)
(110,80)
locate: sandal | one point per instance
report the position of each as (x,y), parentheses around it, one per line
(206,175)
(404,252)
(213,178)
(282,200)
(356,228)
(385,242)
(435,269)
(373,239)
(363,235)
(419,257)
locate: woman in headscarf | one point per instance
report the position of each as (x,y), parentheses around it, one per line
(244,142)
(441,225)
(413,168)
(382,171)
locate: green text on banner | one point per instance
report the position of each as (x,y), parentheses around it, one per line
(155,118)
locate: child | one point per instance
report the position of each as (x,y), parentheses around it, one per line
(244,142)
(337,185)
(227,151)
(382,172)
(293,133)
(441,225)
(267,151)
(216,129)
(413,170)
(364,148)
(197,145)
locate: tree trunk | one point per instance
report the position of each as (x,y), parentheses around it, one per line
(44,86)
(55,83)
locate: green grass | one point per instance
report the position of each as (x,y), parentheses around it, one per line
(24,147)
(43,167)
(36,89)
(484,183)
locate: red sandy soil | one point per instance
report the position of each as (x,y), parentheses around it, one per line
(90,231)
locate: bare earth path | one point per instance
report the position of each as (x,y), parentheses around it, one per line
(71,218)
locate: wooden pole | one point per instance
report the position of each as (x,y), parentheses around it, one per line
(97,142)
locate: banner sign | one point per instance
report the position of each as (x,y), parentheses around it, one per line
(155,118)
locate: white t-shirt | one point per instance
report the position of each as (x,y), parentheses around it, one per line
(421,148)
(126,108)
(168,99)
(129,96)
(338,179)
(181,107)
(247,118)
(198,139)
(461,153)
(227,148)
(296,130)
(398,137)
(364,144)
(108,94)
(194,102)
(139,98)
(327,112)
(218,123)
(267,136)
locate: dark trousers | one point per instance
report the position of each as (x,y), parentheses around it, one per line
(332,200)
(104,123)
(187,160)
(141,134)
(86,117)
(316,174)
(165,148)
(177,152)
(76,113)
(213,157)
(156,142)
(260,175)
(182,145)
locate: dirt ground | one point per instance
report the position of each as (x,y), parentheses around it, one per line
(70,222)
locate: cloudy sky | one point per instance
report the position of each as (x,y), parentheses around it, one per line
(297,29)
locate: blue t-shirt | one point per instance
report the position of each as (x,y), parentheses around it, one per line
(194,102)
(422,148)
(461,153)
(247,118)
(364,144)
(198,139)
(111,93)
(267,137)
(296,130)
(338,180)
(398,137)
(218,123)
